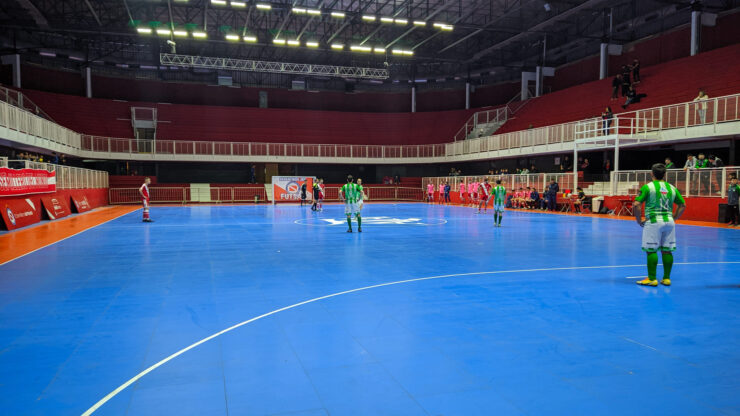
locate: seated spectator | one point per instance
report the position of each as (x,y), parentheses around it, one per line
(633,97)
(580,200)
(534,197)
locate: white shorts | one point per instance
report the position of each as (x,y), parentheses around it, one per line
(498,207)
(352,208)
(659,236)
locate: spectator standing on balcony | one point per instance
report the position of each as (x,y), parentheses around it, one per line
(607,116)
(144,192)
(635,71)
(669,164)
(616,84)
(733,197)
(659,228)
(585,166)
(701,107)
(701,162)
(552,195)
(715,162)
(626,84)
(607,166)
(63,160)
(690,162)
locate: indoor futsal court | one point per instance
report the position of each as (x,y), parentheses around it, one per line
(260,310)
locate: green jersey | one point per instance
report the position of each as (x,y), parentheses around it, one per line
(351,193)
(659,197)
(499,195)
(701,163)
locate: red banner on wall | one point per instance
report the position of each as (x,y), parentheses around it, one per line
(80,201)
(56,206)
(26,181)
(17,213)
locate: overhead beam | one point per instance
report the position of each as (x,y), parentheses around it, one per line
(406,33)
(95,15)
(37,16)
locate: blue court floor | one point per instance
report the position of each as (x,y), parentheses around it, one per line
(539,317)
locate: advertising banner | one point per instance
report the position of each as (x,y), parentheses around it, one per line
(15,182)
(56,206)
(17,213)
(288,188)
(80,201)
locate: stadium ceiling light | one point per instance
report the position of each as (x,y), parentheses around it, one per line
(232,37)
(144,30)
(263,6)
(419,23)
(200,35)
(299,10)
(163,32)
(368,18)
(338,15)
(219,2)
(312,44)
(239,4)
(313,12)
(379,49)
(294,42)
(358,48)
(278,41)
(401,21)
(250,39)
(443,26)
(403,52)
(337,46)
(386,19)
(180,33)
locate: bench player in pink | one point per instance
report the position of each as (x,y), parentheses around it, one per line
(144,192)
(430,192)
(441,193)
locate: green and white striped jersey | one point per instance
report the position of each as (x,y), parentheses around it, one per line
(659,197)
(499,194)
(351,193)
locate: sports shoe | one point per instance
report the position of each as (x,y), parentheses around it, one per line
(349,230)
(148,220)
(647,282)
(359,230)
(665,282)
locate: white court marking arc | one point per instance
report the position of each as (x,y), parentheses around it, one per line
(153,367)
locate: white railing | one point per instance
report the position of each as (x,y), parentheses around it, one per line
(537,181)
(691,183)
(632,127)
(495,116)
(3,162)
(18,99)
(241,194)
(67,177)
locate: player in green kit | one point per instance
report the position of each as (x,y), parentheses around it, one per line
(659,228)
(350,194)
(499,201)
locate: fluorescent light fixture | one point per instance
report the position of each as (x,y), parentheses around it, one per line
(358,48)
(250,39)
(437,24)
(49,54)
(294,42)
(144,30)
(200,35)
(232,37)
(401,21)
(278,41)
(337,46)
(443,26)
(264,6)
(163,32)
(313,12)
(386,19)
(75,58)
(312,44)
(299,10)
(181,33)
(379,49)
(419,23)
(218,2)
(338,15)
(447,27)
(368,18)
(403,52)
(238,4)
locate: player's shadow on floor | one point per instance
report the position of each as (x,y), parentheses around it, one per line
(723,287)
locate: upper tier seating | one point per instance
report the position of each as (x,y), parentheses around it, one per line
(669,83)
(191,122)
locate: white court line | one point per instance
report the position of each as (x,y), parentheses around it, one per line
(68,237)
(635,277)
(153,367)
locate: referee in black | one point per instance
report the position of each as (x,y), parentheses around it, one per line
(303,193)
(316,191)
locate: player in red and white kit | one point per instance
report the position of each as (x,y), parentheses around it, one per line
(322,192)
(144,192)
(483,191)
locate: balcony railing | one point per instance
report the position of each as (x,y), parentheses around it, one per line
(631,128)
(67,177)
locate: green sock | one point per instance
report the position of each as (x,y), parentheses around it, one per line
(652,265)
(495,217)
(349,222)
(500,217)
(359,221)
(667,265)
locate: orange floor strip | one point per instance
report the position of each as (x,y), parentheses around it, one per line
(21,242)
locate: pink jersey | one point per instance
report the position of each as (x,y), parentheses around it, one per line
(462,188)
(472,188)
(430,188)
(527,195)
(441,188)
(519,194)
